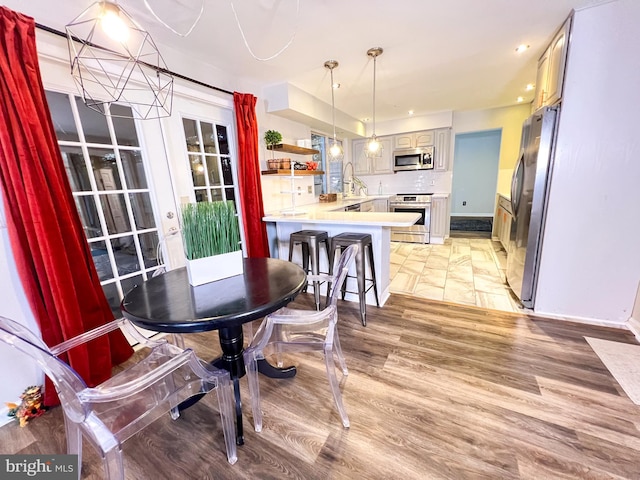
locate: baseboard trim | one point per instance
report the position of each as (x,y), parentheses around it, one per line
(633,325)
(585,320)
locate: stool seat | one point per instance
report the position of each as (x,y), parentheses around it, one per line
(364,241)
(310,241)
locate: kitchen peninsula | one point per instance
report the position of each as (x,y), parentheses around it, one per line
(332,218)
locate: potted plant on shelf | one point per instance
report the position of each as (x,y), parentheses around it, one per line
(272,138)
(211,237)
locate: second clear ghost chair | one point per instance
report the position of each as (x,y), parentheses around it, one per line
(289,330)
(118,408)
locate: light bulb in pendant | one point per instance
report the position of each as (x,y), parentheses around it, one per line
(335,152)
(113,25)
(373,146)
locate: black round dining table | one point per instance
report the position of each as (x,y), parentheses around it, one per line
(168,303)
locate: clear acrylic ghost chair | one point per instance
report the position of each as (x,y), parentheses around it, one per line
(289,330)
(123,405)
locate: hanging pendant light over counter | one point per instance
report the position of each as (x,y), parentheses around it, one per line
(373,148)
(335,150)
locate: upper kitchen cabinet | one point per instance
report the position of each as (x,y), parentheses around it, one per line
(550,76)
(413,140)
(366,166)
(442,144)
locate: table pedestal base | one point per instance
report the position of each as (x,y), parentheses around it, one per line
(232,343)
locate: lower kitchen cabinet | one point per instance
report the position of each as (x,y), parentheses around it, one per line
(439,219)
(502,221)
(380,205)
(367,206)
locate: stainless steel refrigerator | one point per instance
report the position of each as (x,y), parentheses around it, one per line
(529,192)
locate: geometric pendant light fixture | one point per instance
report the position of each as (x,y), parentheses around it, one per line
(373,148)
(335,153)
(113,59)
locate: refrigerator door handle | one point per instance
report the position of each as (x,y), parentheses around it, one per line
(515,196)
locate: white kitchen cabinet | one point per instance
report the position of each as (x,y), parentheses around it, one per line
(377,166)
(366,206)
(442,146)
(359,160)
(550,76)
(383,164)
(439,219)
(502,222)
(414,140)
(380,205)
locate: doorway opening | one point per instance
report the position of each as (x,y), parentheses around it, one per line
(475,179)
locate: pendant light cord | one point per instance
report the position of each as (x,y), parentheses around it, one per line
(333,109)
(146,3)
(374,97)
(246,43)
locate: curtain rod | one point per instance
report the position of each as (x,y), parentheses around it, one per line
(161,70)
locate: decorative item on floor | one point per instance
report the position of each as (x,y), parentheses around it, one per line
(211,237)
(373,148)
(105,35)
(30,407)
(335,150)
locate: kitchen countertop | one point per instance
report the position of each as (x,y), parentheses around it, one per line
(333,213)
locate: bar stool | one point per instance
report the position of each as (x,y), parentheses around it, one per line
(363,240)
(310,241)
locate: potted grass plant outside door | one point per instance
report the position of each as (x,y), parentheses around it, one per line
(211,237)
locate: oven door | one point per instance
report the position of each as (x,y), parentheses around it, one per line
(419,231)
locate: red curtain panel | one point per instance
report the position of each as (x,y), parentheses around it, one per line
(50,249)
(255,231)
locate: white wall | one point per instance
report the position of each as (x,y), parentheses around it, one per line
(509,120)
(590,265)
(17,371)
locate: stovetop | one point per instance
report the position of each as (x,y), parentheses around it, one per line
(412,197)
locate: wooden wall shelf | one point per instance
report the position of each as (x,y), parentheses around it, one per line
(283,147)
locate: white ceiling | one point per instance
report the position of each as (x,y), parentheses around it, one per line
(438,54)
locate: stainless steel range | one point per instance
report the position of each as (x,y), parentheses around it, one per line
(412,203)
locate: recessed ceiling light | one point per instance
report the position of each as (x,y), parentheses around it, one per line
(336,85)
(529,87)
(520,99)
(410,112)
(522,48)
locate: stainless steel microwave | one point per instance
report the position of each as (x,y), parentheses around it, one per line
(413,159)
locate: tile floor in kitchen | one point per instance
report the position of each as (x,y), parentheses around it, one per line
(468,271)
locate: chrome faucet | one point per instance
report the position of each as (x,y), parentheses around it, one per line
(353,180)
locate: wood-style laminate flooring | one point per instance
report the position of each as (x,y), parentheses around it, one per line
(435,391)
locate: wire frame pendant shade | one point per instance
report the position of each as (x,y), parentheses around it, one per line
(113,59)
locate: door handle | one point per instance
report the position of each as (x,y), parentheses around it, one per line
(515,196)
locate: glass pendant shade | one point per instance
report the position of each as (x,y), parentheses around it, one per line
(335,153)
(113,59)
(373,148)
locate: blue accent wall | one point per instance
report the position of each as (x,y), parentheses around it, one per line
(475,173)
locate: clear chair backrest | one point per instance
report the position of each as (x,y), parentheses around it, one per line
(340,271)
(65,379)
